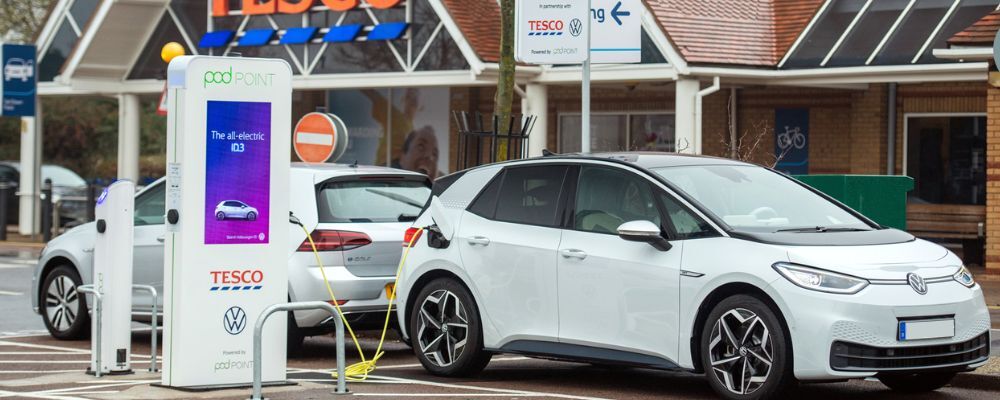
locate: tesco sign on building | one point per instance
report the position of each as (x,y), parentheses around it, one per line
(300,35)
(551,31)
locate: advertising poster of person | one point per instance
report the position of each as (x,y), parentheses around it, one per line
(402,128)
(237,172)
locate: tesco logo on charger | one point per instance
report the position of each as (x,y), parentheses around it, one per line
(233,280)
(546,27)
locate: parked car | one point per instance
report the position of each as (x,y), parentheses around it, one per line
(685,263)
(235,209)
(68,189)
(357,216)
(18,68)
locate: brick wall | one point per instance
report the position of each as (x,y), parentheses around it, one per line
(993,178)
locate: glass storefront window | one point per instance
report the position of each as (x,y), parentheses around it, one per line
(649,131)
(946,156)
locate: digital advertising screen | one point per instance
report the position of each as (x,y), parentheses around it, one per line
(237,172)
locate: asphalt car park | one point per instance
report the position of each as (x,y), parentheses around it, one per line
(40,367)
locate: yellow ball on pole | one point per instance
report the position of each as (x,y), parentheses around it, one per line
(171,50)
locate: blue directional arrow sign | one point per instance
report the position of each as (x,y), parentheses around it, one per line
(616,13)
(616,31)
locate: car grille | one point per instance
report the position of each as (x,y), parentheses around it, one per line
(846,356)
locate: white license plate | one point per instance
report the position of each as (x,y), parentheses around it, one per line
(926,329)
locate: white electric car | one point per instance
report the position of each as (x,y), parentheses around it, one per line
(357,216)
(235,209)
(681,262)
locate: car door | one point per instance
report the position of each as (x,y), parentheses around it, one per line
(508,240)
(615,293)
(147,261)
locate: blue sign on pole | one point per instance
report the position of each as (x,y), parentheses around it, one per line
(791,140)
(18,83)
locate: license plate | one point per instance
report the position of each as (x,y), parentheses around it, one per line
(389,288)
(926,329)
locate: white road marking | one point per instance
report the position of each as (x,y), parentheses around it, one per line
(36,353)
(40,372)
(58,362)
(323,139)
(508,392)
(44,347)
(436,395)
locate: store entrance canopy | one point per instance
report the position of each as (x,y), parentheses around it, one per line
(112,40)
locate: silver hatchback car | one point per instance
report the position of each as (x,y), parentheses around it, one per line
(358,216)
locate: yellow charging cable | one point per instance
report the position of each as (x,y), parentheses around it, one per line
(358,372)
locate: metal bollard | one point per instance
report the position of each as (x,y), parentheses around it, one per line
(153,319)
(307,305)
(47,211)
(4,193)
(96,341)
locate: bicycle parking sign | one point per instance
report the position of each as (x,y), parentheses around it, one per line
(791,140)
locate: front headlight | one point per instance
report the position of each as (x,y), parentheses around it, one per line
(820,280)
(964,277)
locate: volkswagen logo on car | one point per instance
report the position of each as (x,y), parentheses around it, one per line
(917,283)
(234,320)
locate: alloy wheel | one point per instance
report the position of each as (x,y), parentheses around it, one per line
(61,303)
(443,328)
(741,351)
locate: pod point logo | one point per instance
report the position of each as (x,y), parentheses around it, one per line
(234,320)
(229,77)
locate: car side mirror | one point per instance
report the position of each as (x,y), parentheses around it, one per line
(644,231)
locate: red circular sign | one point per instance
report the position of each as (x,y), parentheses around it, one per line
(315,138)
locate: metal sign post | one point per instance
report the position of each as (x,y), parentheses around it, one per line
(585,91)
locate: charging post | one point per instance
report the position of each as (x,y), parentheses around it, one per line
(226,249)
(113,279)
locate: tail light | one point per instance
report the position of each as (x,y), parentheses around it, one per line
(338,303)
(412,235)
(327,240)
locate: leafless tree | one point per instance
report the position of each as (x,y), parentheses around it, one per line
(20,20)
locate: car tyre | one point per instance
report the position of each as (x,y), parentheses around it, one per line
(746,353)
(220,216)
(447,333)
(917,382)
(64,310)
(251,216)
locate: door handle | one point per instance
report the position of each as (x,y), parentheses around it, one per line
(573,253)
(479,240)
(161,239)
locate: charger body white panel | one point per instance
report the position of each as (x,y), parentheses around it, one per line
(113,277)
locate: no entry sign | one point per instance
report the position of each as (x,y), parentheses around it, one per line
(318,137)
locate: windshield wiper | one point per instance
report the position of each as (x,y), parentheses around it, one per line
(397,197)
(406,218)
(821,229)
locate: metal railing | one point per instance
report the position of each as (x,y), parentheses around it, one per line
(96,341)
(307,305)
(153,321)
(483,143)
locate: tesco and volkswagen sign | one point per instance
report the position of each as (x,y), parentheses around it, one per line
(550,31)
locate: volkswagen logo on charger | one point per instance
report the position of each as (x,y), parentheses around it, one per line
(575,27)
(917,283)
(234,320)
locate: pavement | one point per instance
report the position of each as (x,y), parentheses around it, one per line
(33,365)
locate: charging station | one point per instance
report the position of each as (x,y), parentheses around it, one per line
(226,249)
(113,278)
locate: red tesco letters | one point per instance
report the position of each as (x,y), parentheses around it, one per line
(237,277)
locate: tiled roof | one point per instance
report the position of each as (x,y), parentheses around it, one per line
(980,33)
(742,32)
(479,21)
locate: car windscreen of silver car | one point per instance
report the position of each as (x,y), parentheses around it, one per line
(754,199)
(372,201)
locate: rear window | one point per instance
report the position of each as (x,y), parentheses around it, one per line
(372,201)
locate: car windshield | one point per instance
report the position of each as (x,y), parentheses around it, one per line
(61,176)
(755,199)
(372,201)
